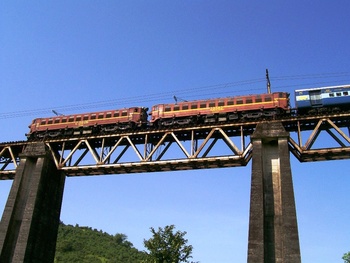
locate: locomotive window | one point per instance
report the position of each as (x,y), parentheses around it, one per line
(230,102)
(338,94)
(239,101)
(345,93)
(212,104)
(167,108)
(116,114)
(203,105)
(331,94)
(176,107)
(268,98)
(43,122)
(250,100)
(135,110)
(185,107)
(221,103)
(124,113)
(194,106)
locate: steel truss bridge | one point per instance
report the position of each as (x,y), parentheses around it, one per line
(184,148)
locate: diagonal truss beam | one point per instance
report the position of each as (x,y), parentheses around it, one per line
(306,153)
(327,124)
(6,161)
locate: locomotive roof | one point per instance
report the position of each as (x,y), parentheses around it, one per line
(223,98)
(327,87)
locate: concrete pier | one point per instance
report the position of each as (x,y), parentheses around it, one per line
(29,225)
(273,230)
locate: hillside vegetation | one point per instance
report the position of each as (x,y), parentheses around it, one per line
(87,245)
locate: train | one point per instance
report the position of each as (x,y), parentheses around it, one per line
(219,110)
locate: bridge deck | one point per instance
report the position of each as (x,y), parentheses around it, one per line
(184,148)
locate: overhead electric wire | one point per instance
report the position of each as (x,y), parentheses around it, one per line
(315,84)
(313,76)
(156,97)
(189,93)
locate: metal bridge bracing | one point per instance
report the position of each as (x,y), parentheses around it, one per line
(184,148)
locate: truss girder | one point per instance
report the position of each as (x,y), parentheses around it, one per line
(195,147)
(341,149)
(104,156)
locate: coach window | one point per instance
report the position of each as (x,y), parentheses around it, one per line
(268,98)
(71,119)
(93,117)
(221,103)
(86,117)
(203,105)
(338,94)
(176,107)
(116,114)
(185,107)
(43,122)
(239,101)
(57,120)
(250,100)
(258,99)
(109,115)
(124,113)
(64,120)
(167,108)
(194,106)
(78,118)
(229,102)
(50,121)
(345,93)
(212,104)
(100,116)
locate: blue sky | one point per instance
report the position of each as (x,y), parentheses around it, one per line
(76,56)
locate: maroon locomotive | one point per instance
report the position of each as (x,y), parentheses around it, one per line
(221,109)
(87,123)
(227,109)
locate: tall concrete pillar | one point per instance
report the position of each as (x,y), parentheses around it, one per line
(29,225)
(273,230)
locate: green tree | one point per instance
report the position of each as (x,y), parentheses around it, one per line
(346,257)
(165,246)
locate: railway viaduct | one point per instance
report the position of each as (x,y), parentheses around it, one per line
(28,228)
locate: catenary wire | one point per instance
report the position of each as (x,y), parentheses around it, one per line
(192,93)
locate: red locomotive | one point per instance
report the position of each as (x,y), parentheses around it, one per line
(221,109)
(87,123)
(227,109)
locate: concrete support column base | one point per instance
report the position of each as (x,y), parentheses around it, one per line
(29,225)
(273,230)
